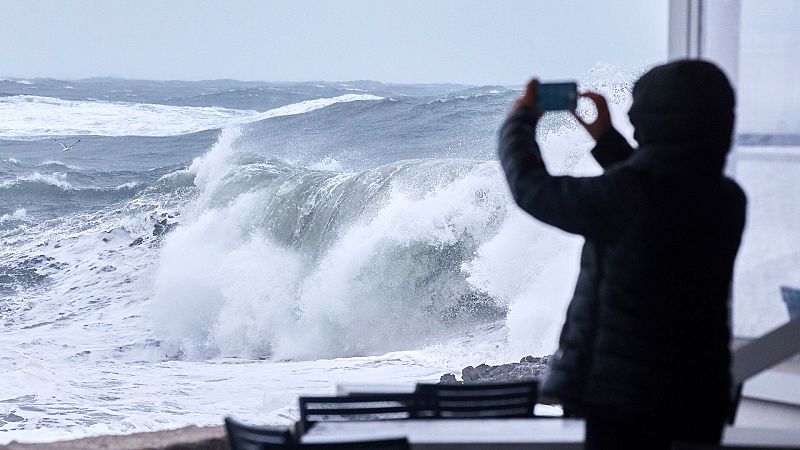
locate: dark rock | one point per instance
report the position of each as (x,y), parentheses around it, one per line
(136,242)
(536,359)
(529,368)
(163,227)
(448,378)
(164,222)
(11,417)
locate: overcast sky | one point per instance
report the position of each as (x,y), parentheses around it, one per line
(460,41)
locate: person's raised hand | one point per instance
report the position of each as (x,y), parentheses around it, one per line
(603,121)
(529,97)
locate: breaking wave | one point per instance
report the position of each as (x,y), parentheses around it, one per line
(30,116)
(54,182)
(301,263)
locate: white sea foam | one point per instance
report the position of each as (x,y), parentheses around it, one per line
(128,185)
(27,116)
(309,105)
(58,179)
(327,163)
(19,214)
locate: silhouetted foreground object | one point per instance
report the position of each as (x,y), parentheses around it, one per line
(356,407)
(472,401)
(646,335)
(428,401)
(791,297)
(247,437)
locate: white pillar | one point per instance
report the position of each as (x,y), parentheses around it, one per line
(703,29)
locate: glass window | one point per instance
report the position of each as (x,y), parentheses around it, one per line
(767,162)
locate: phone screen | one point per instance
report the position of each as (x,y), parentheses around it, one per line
(557,96)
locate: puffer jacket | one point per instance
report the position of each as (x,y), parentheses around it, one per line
(648,328)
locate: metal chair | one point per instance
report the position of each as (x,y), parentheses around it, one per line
(477,401)
(349,408)
(248,437)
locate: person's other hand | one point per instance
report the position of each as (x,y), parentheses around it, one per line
(603,121)
(529,97)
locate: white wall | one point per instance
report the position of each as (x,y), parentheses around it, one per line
(769,67)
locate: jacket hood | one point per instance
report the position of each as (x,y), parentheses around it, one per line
(687,104)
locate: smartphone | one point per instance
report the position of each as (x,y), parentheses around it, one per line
(557,96)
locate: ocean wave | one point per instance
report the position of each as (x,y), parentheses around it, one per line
(310,105)
(28,116)
(58,181)
(14,166)
(357,136)
(57,163)
(363,262)
(473,94)
(327,163)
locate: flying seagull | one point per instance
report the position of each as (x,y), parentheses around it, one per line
(66,147)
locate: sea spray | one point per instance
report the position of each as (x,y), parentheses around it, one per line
(393,257)
(296,263)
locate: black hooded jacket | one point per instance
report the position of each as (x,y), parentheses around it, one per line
(647,329)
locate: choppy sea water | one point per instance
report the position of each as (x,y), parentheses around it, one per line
(218,248)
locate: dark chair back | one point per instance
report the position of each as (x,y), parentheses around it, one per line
(358,407)
(388,444)
(466,401)
(248,437)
